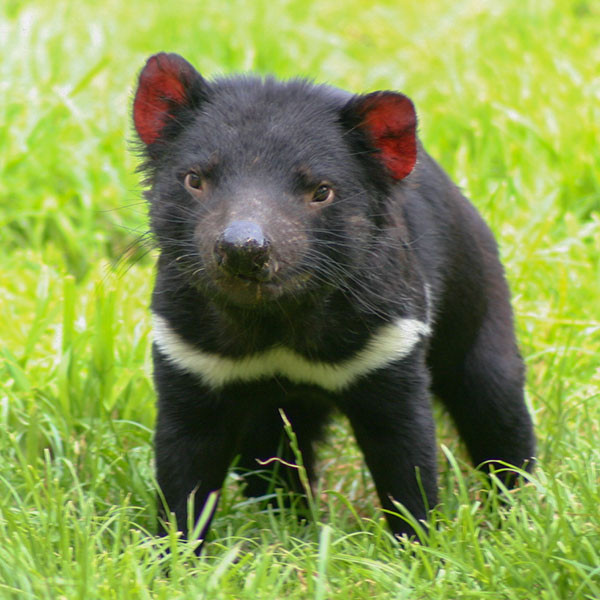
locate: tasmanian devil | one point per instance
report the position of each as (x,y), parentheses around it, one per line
(314,257)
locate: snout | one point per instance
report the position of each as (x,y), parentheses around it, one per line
(243,250)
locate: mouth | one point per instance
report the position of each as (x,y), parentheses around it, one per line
(248,279)
(246,291)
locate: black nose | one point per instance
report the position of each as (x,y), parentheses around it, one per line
(243,250)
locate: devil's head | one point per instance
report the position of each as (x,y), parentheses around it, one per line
(262,190)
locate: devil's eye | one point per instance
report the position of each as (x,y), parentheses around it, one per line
(193,182)
(324,193)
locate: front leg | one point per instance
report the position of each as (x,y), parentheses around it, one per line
(196,438)
(391,416)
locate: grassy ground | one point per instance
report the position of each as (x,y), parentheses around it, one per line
(509,101)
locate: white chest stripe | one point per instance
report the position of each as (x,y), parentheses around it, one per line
(391,343)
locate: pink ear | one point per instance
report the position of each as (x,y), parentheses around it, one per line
(391,122)
(163,83)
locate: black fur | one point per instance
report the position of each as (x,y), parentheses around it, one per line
(383,248)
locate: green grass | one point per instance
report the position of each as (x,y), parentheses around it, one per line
(508,96)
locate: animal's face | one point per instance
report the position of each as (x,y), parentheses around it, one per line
(264,191)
